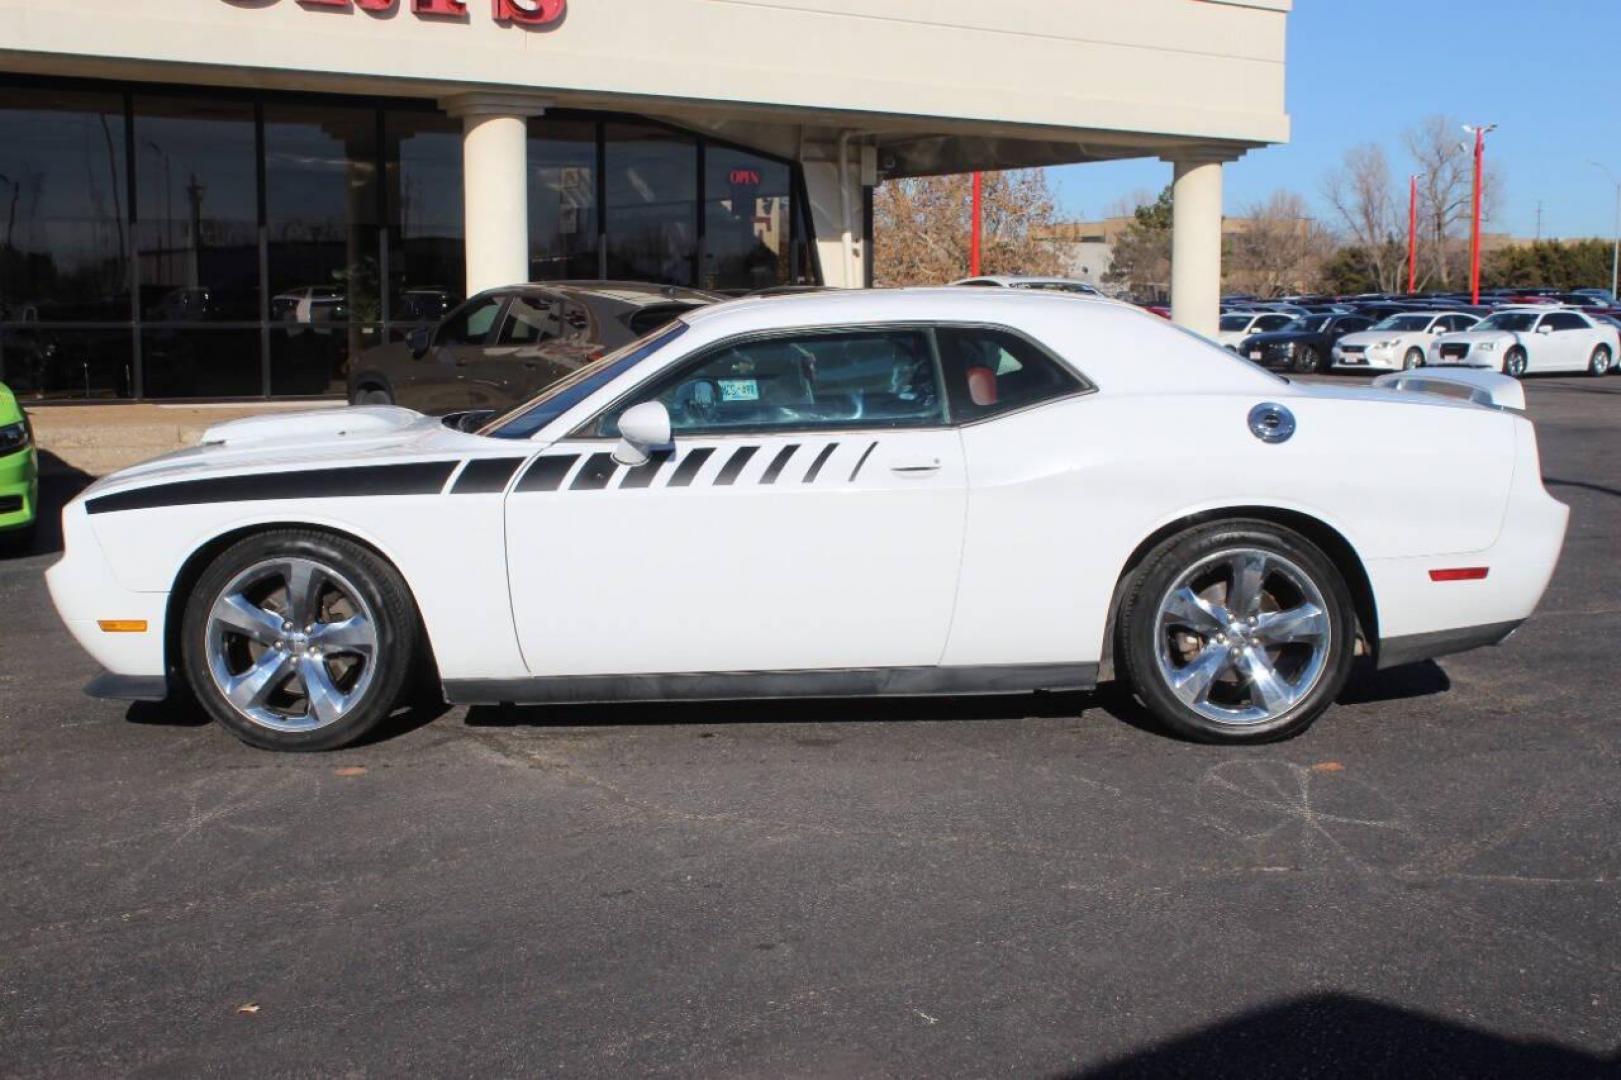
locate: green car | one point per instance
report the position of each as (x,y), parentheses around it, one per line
(19,472)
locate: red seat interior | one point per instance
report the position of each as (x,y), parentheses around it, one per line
(982,386)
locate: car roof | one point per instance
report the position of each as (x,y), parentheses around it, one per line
(1022,279)
(636,293)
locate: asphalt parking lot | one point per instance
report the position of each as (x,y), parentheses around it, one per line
(1425,884)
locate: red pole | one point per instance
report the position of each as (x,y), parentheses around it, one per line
(977,230)
(1474,242)
(1412,237)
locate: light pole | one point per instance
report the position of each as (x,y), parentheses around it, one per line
(1479,132)
(1412,234)
(1615,255)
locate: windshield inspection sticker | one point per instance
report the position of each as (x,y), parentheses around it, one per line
(739,390)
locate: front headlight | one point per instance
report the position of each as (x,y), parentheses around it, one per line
(1391,344)
(13,437)
(1487,346)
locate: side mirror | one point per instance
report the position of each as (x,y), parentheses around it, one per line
(1544,329)
(419,340)
(642,428)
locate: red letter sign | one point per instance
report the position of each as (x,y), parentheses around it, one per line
(453,8)
(529,12)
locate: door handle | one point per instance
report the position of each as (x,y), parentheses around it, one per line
(916,466)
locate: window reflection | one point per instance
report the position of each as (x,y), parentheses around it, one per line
(427,255)
(39,362)
(562,199)
(311,361)
(197,210)
(652,204)
(747,220)
(63,206)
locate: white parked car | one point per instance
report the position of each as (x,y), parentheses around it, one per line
(1399,343)
(1236,326)
(920,492)
(1044,284)
(1531,341)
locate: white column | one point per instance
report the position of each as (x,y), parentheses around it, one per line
(1196,240)
(495,185)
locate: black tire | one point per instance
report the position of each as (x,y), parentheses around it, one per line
(1600,362)
(1138,643)
(1413,359)
(1310,361)
(397,631)
(372,394)
(1514,363)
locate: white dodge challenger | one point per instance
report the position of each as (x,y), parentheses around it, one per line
(832,495)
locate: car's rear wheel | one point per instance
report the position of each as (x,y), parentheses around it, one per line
(1514,362)
(1309,361)
(299,640)
(1237,632)
(1599,364)
(372,394)
(1413,359)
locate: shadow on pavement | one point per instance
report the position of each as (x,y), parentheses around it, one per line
(1340,1036)
(1420,679)
(1549,481)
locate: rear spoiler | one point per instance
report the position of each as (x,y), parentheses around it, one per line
(1478,385)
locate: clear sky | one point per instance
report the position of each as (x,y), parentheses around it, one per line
(1547,72)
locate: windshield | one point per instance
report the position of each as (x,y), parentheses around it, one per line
(1234,323)
(1405,322)
(1516,321)
(574,388)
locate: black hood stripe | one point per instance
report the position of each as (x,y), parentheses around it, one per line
(486,476)
(360,481)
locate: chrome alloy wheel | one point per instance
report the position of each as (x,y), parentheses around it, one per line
(1243,636)
(291,644)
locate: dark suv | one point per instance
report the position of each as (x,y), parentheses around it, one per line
(502,346)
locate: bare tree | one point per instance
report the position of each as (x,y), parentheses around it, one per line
(921,227)
(1446,182)
(1278,248)
(1360,193)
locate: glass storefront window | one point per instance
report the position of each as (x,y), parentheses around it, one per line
(271,239)
(652,204)
(427,262)
(197,210)
(194,361)
(562,199)
(64,210)
(748,215)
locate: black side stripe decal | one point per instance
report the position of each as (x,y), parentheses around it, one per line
(734,466)
(642,476)
(690,465)
(547,473)
(486,476)
(821,459)
(598,471)
(862,463)
(362,481)
(779,463)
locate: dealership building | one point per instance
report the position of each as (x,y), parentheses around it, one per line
(231,198)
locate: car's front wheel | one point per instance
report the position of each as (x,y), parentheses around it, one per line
(372,394)
(1514,362)
(1309,360)
(1237,632)
(1599,363)
(299,640)
(1413,359)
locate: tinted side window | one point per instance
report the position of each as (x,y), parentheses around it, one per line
(471,324)
(530,320)
(1269,323)
(869,378)
(990,371)
(1354,325)
(1566,322)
